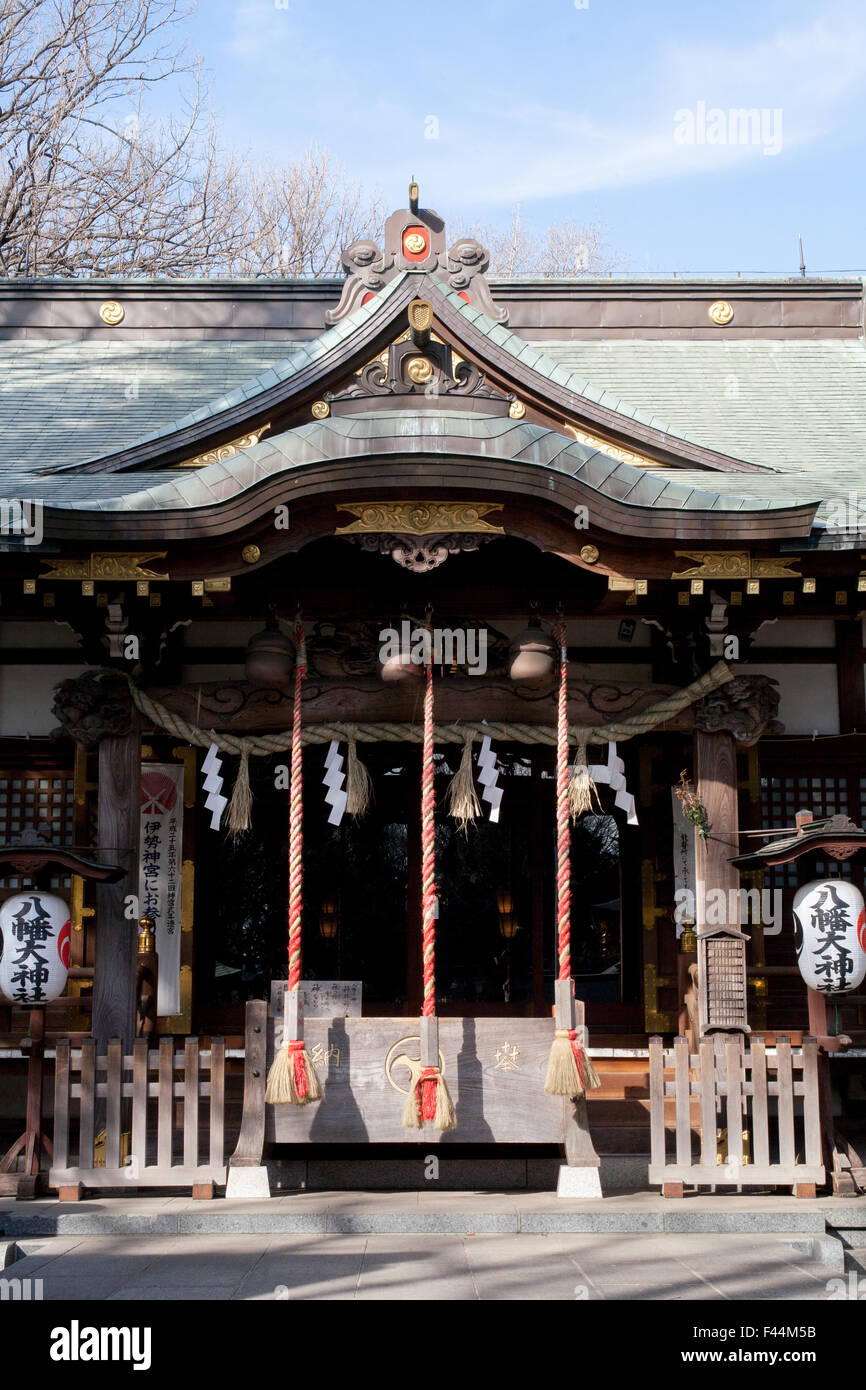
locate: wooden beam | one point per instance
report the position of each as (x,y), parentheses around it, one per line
(237,705)
(119,810)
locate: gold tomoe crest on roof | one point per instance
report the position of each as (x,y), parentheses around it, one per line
(419,369)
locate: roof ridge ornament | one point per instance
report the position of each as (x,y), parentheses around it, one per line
(415,242)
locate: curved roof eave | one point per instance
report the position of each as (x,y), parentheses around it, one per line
(375,452)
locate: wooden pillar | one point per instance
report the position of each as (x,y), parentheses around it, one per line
(539,917)
(716,787)
(116,935)
(849,676)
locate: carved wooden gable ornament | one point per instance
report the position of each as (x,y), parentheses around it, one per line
(415,241)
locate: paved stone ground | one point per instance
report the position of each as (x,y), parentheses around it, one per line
(559,1267)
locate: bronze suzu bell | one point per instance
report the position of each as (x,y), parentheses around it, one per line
(532,655)
(269,656)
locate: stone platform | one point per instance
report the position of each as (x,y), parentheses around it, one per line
(826,1224)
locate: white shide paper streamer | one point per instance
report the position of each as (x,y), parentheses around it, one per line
(488,776)
(334,778)
(213,784)
(612,774)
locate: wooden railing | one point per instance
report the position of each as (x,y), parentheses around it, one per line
(162,1112)
(730,1084)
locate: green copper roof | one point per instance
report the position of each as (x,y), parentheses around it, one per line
(785,403)
(796,408)
(398,432)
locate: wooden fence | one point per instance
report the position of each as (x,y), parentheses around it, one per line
(164,1106)
(730,1084)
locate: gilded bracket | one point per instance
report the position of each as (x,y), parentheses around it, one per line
(735,564)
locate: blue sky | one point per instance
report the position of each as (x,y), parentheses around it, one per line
(573,112)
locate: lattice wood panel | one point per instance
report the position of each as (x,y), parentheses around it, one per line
(35,797)
(823,793)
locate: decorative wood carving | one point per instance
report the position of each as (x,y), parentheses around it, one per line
(426,374)
(745,707)
(106,564)
(235,706)
(225,451)
(419,518)
(420,555)
(735,564)
(93,706)
(595,441)
(415,240)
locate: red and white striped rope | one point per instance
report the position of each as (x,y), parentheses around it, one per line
(296,818)
(563,827)
(428,853)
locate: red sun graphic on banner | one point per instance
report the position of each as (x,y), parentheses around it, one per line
(158,793)
(64,936)
(861,929)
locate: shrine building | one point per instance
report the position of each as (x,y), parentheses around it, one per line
(415,651)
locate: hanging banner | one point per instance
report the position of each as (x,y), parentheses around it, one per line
(161,842)
(684,866)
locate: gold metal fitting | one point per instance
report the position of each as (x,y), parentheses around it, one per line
(420,313)
(419,370)
(146,936)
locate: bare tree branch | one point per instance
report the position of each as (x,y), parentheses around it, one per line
(565,249)
(90,185)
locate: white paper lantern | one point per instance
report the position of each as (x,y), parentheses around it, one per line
(830,935)
(34,947)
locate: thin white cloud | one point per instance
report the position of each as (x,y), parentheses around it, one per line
(497,150)
(808,76)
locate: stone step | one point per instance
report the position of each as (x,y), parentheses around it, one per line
(803,1224)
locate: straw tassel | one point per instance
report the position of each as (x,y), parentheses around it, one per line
(461,797)
(293,1079)
(569,1070)
(582,791)
(429,1102)
(240,806)
(359,783)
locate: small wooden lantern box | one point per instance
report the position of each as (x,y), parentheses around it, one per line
(722,1000)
